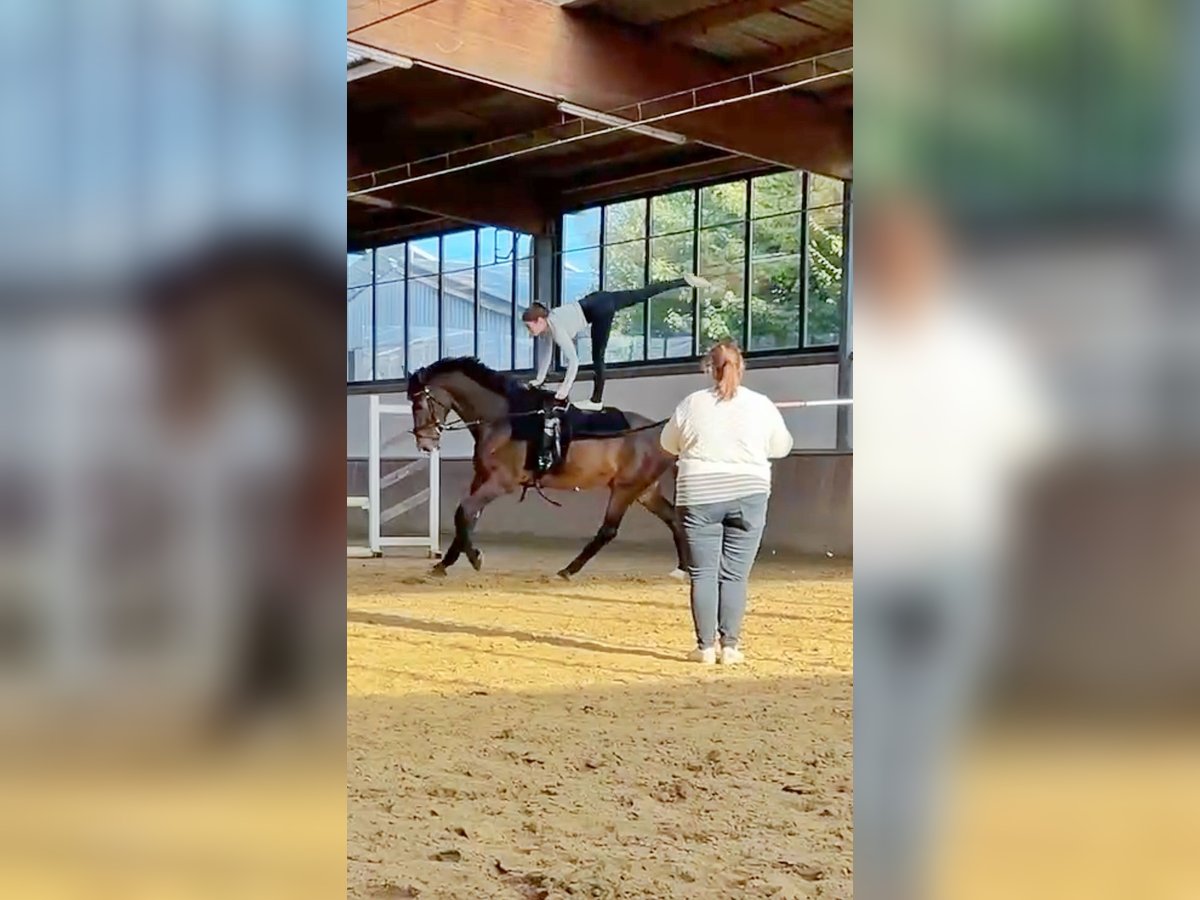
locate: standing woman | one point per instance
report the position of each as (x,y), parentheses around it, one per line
(725,437)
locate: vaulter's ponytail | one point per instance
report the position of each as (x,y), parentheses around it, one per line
(726,366)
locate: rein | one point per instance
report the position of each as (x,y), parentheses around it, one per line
(443,424)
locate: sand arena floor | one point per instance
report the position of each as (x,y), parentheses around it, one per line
(511,735)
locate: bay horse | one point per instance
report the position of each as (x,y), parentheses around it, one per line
(631,463)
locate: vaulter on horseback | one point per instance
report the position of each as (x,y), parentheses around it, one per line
(595,311)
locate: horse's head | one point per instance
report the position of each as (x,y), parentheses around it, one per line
(461,385)
(431,408)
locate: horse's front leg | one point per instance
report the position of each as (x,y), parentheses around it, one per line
(465,517)
(488,444)
(454,551)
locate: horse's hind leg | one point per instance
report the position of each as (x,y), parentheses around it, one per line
(618,502)
(655,501)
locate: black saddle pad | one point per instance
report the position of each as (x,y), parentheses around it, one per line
(574,424)
(528,421)
(582,423)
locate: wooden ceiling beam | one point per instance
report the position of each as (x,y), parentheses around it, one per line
(711,17)
(630,183)
(531,46)
(362,14)
(414,96)
(839,98)
(477,200)
(829,43)
(610,155)
(383,229)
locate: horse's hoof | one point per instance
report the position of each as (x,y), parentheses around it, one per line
(438,571)
(564,574)
(476,560)
(679,574)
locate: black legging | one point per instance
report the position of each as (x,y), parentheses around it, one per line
(599,309)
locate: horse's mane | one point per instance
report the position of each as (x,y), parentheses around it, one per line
(483,375)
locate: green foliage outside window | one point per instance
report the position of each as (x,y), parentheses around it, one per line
(773,236)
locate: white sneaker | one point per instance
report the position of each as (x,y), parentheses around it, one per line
(696,281)
(589,405)
(731,656)
(706,657)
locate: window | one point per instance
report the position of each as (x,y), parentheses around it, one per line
(524,343)
(638,242)
(389,311)
(722,260)
(359,311)
(496,260)
(580,254)
(826,262)
(672,254)
(407,304)
(458,294)
(772,246)
(580,271)
(776,261)
(624,269)
(424,260)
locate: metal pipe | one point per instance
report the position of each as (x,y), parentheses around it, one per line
(380,56)
(583,112)
(800,404)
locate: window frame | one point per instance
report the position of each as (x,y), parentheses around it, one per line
(815,354)
(801,355)
(514,283)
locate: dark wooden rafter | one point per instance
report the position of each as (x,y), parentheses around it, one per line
(536,47)
(476,199)
(841,97)
(827,43)
(362,14)
(712,17)
(613,154)
(386,229)
(655,178)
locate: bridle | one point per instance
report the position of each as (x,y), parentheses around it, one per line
(440,423)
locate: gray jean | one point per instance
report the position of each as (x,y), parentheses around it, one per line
(924,640)
(723,540)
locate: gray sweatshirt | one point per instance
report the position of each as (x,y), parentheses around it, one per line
(564,323)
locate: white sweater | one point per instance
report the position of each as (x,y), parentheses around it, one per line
(724,446)
(564,323)
(956,417)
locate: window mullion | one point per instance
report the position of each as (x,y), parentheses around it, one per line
(512,324)
(601,279)
(437,311)
(478,318)
(374,301)
(745,342)
(646,280)
(804,262)
(696,269)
